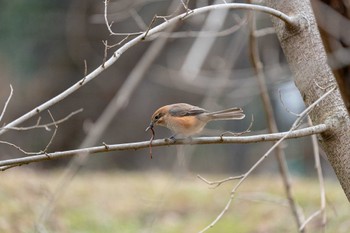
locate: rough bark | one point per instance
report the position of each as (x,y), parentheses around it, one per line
(307,59)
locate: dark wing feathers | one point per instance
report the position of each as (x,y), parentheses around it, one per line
(181,110)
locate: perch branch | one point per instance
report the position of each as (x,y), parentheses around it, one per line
(166,142)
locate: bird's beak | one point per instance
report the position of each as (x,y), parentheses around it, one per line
(149,127)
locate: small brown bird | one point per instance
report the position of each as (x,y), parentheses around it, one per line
(186,120)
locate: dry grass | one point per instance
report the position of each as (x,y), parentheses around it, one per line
(159,202)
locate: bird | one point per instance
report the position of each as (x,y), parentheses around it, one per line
(187,120)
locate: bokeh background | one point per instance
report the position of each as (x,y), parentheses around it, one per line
(43,45)
(43,48)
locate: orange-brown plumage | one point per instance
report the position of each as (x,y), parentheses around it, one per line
(186,120)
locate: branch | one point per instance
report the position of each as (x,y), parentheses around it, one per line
(33,127)
(45,126)
(166,142)
(217,183)
(322,210)
(6,103)
(271,121)
(188,34)
(110,24)
(292,21)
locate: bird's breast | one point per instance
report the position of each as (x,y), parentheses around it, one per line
(187,125)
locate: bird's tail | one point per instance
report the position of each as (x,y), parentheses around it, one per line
(227,114)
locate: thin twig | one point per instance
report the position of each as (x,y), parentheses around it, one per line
(38,152)
(318,167)
(185,5)
(217,183)
(312,216)
(284,106)
(7,102)
(85,72)
(264,32)
(110,24)
(41,151)
(149,27)
(54,132)
(19,148)
(248,130)
(105,43)
(187,34)
(37,125)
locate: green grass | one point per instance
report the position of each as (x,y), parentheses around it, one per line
(159,202)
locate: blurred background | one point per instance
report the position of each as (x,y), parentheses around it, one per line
(42,52)
(43,45)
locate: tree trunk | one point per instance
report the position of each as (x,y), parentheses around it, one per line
(313,77)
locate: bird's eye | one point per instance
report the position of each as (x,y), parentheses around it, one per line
(157,117)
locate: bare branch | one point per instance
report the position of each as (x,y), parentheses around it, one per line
(6,103)
(291,21)
(110,24)
(318,167)
(185,5)
(19,148)
(284,106)
(45,126)
(187,34)
(166,142)
(149,27)
(264,32)
(53,135)
(240,133)
(85,72)
(294,126)
(46,147)
(219,182)
(312,216)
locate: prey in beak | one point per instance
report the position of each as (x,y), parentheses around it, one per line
(150,127)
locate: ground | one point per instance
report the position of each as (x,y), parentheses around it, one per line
(153,201)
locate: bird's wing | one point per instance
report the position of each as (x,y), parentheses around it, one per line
(180,110)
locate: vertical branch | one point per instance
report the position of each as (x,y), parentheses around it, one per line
(6,103)
(271,122)
(318,167)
